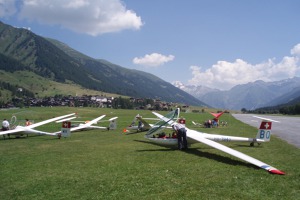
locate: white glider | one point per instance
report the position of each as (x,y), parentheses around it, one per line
(210,139)
(89,125)
(21,130)
(141,126)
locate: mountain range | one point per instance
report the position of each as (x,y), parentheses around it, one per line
(46,59)
(249,96)
(43,64)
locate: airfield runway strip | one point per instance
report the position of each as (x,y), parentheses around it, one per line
(288,129)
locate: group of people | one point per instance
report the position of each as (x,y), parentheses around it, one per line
(214,123)
(6,124)
(163,135)
(179,133)
(211,123)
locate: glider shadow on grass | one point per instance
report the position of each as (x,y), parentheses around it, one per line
(198,152)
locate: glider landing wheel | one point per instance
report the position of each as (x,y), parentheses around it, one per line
(252,144)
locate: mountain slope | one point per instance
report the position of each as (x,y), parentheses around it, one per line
(288,98)
(251,95)
(197,91)
(138,83)
(56,61)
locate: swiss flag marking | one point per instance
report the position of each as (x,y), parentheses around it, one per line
(266,125)
(66,125)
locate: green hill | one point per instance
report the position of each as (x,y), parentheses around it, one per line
(56,62)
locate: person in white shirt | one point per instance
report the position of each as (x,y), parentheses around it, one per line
(181,136)
(5,125)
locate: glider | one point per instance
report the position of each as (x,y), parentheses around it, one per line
(214,122)
(141,126)
(217,115)
(210,139)
(88,125)
(21,130)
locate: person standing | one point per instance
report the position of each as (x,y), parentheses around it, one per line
(5,125)
(28,123)
(140,126)
(181,135)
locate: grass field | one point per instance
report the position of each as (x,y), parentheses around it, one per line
(111,165)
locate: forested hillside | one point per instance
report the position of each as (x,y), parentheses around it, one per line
(57,62)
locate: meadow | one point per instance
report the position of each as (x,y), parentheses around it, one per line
(99,164)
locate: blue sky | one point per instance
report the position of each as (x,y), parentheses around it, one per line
(214,43)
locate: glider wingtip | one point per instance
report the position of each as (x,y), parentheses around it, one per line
(276,171)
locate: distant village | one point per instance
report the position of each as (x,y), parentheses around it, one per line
(91,101)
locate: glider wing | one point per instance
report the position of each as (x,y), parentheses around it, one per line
(196,136)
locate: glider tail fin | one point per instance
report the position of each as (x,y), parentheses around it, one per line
(264,131)
(134,120)
(145,125)
(112,124)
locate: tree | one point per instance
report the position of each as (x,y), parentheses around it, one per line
(243,110)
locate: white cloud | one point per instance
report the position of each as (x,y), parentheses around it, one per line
(7,8)
(296,50)
(93,17)
(153,60)
(224,75)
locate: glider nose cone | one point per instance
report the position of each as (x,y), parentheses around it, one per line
(276,171)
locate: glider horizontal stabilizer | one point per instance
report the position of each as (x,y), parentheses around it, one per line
(271,120)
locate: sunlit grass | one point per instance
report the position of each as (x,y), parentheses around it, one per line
(43,87)
(111,165)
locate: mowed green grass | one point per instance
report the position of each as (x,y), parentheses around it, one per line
(100,164)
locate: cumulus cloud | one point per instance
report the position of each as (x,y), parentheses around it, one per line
(93,17)
(296,50)
(153,60)
(224,75)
